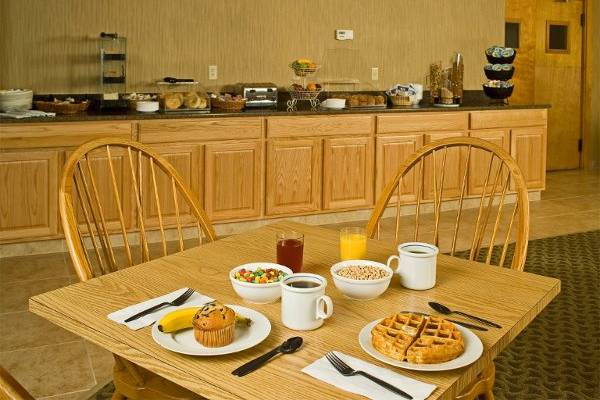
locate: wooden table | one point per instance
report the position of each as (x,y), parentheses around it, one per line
(511,298)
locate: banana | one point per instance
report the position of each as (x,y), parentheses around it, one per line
(177,320)
(182,319)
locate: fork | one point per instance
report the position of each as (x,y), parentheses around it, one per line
(346,370)
(177,302)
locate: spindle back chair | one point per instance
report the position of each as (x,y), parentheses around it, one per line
(87,195)
(502,178)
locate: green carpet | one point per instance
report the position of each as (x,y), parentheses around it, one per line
(558,356)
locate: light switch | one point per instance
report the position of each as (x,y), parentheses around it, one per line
(375,73)
(344,34)
(212,72)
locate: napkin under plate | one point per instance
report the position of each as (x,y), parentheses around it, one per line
(323,370)
(120,316)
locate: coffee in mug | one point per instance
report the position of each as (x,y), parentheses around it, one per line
(304,305)
(416,265)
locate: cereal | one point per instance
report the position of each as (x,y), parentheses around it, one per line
(362,272)
(260,275)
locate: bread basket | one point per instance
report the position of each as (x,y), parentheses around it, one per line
(228,105)
(62,107)
(399,100)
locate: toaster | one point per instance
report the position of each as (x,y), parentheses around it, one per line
(260,94)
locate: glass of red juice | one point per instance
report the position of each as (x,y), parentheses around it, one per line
(290,249)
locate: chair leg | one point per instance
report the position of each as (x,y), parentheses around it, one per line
(118,396)
(482,387)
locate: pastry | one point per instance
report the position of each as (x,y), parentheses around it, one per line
(214,325)
(419,339)
(191,100)
(379,100)
(172,101)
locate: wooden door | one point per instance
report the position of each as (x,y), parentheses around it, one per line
(528,147)
(233,180)
(390,153)
(187,159)
(293,175)
(558,77)
(453,167)
(348,172)
(479,162)
(28,194)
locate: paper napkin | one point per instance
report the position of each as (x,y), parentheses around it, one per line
(120,316)
(323,370)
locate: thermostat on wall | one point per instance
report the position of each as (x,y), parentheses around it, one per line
(344,34)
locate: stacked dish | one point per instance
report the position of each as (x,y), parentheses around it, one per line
(499,71)
(15,100)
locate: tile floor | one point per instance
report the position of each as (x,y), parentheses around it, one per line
(55,364)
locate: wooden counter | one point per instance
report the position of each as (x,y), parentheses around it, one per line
(261,166)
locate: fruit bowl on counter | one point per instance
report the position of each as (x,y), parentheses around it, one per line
(304,67)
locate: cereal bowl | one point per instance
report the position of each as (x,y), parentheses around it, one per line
(361,279)
(258,293)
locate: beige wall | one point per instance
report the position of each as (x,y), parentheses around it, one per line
(49,45)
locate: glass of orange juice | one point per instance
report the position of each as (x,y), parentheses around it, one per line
(353,243)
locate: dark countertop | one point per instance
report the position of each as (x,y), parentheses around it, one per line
(475,103)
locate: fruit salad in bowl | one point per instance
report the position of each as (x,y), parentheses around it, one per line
(258,282)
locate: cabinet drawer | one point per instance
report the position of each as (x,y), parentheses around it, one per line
(415,122)
(162,131)
(319,126)
(507,118)
(26,136)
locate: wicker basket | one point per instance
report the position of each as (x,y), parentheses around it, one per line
(228,105)
(401,100)
(304,71)
(62,107)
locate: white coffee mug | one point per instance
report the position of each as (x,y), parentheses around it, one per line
(416,265)
(304,305)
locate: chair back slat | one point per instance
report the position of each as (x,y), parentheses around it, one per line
(489,215)
(461,197)
(419,195)
(117,198)
(144,252)
(163,239)
(96,208)
(438,201)
(111,239)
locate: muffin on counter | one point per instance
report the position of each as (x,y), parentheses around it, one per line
(214,325)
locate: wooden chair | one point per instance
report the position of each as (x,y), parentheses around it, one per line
(101,231)
(10,389)
(429,167)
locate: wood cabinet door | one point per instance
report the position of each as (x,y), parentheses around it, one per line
(453,170)
(479,163)
(390,154)
(233,180)
(293,176)
(348,172)
(187,159)
(528,147)
(28,194)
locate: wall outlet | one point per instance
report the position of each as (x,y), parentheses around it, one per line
(212,72)
(344,34)
(375,73)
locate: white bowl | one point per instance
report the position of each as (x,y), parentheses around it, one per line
(359,289)
(259,293)
(336,104)
(15,100)
(146,106)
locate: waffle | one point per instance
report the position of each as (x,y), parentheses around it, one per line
(419,339)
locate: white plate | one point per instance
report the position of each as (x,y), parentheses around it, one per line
(473,350)
(184,342)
